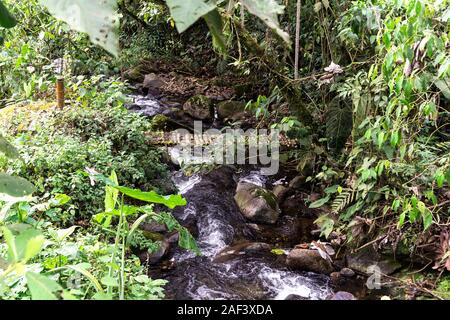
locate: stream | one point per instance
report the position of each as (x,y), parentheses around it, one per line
(232,264)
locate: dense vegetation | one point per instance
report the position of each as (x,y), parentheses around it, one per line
(364,90)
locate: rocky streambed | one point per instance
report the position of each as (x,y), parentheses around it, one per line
(256,235)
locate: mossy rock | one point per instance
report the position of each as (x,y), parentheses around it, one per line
(161,122)
(199,107)
(233,110)
(257,204)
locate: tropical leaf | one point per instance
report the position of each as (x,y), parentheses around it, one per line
(98,18)
(319,203)
(267,11)
(186,13)
(15,186)
(6,19)
(171,201)
(41,287)
(8,149)
(214,21)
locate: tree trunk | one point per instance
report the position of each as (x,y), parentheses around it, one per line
(297,39)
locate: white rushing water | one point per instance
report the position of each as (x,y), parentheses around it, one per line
(215,233)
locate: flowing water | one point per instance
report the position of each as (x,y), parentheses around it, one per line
(212,215)
(243,275)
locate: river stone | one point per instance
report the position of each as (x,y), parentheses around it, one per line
(257,204)
(155,257)
(295,297)
(297,182)
(234,110)
(234,251)
(280,192)
(347,272)
(343,295)
(308,260)
(152,81)
(364,261)
(199,107)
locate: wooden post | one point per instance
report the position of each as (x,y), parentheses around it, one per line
(60,99)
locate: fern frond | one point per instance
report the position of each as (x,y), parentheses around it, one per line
(344,199)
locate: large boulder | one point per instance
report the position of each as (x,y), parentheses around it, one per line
(308,260)
(199,107)
(256,203)
(366,260)
(151,80)
(232,110)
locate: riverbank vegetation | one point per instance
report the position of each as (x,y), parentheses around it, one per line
(360,90)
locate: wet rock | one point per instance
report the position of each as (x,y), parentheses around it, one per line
(287,232)
(232,252)
(134,74)
(295,297)
(342,295)
(155,257)
(280,192)
(347,272)
(365,261)
(297,182)
(293,205)
(233,110)
(335,278)
(153,227)
(199,107)
(257,204)
(152,81)
(308,260)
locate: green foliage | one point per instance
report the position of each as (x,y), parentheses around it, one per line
(93,266)
(6,19)
(396,161)
(57,146)
(98,19)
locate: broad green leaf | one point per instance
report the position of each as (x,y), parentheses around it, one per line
(214,21)
(186,241)
(171,201)
(8,149)
(102,296)
(33,247)
(401,219)
(267,11)
(28,243)
(6,19)
(62,234)
(111,194)
(440,178)
(110,281)
(41,287)
(427,219)
(13,255)
(59,199)
(15,186)
(320,202)
(186,13)
(98,18)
